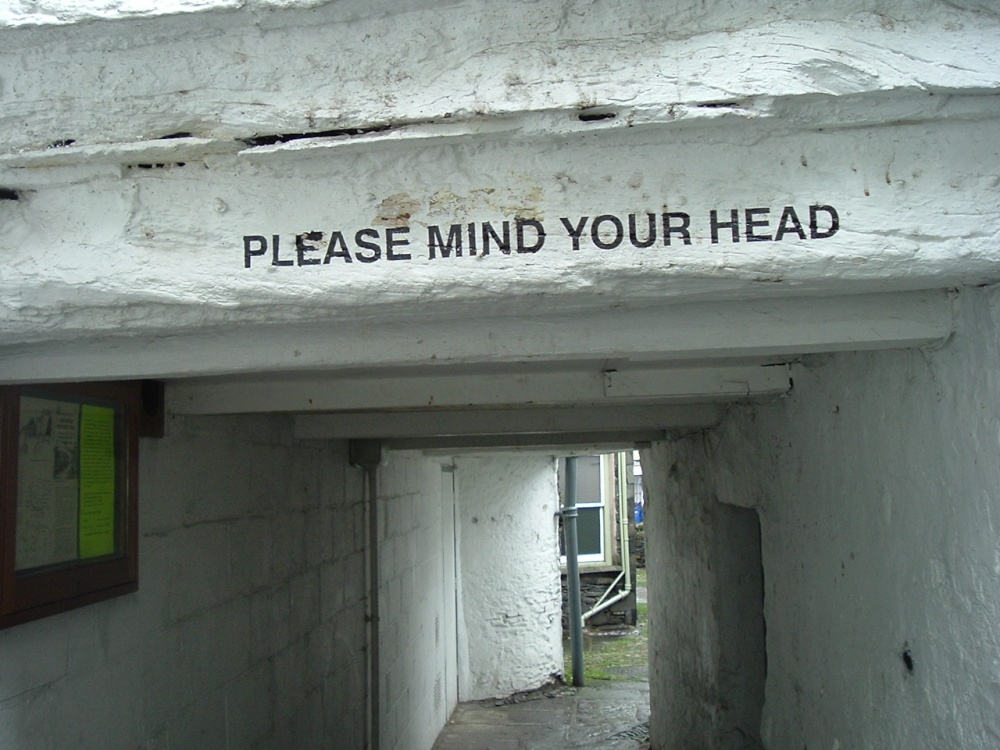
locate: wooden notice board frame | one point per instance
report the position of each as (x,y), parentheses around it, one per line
(68,496)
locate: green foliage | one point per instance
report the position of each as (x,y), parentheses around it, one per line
(619,657)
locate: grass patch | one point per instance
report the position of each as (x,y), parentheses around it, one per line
(617,658)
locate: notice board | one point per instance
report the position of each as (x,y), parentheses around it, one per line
(68,496)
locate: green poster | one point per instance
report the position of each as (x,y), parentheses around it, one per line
(97,481)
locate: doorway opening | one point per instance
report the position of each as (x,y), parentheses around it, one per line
(506,506)
(482,520)
(613,586)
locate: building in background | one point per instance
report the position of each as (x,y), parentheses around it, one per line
(606,539)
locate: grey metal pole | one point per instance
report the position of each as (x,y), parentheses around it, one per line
(569,515)
(374,664)
(367,455)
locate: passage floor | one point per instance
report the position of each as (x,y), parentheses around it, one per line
(612,716)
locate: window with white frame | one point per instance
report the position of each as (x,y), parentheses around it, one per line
(591,524)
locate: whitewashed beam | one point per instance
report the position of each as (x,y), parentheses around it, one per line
(564,444)
(149,153)
(472,389)
(777,327)
(122,271)
(158,253)
(538,421)
(130,79)
(725,382)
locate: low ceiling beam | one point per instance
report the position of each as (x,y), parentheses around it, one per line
(587,442)
(465,422)
(775,327)
(473,389)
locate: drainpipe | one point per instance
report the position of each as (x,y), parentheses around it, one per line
(569,515)
(367,455)
(626,551)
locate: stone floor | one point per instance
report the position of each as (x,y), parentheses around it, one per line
(611,716)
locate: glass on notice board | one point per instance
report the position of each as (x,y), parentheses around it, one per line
(66,482)
(68,496)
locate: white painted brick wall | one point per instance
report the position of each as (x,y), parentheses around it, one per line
(247,630)
(411,601)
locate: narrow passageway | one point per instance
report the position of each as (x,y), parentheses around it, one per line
(612,710)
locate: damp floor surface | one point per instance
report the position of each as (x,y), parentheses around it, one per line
(611,716)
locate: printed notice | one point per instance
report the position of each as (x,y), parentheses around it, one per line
(97,481)
(615,232)
(48,486)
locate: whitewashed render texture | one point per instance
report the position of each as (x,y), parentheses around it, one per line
(876,484)
(511,597)
(411,595)
(506,630)
(882,111)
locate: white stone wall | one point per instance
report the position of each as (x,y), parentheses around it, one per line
(683,631)
(412,546)
(498,530)
(247,630)
(876,482)
(509,573)
(706,624)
